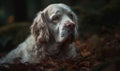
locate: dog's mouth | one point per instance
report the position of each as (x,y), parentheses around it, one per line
(68,37)
(66,41)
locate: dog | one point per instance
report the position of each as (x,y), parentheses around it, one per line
(52,35)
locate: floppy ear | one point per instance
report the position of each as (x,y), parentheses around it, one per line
(76,26)
(39,28)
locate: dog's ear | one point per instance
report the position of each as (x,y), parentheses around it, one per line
(39,28)
(76,25)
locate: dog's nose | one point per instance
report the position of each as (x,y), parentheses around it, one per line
(70,25)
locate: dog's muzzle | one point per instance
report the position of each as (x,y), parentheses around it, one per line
(68,31)
(69,28)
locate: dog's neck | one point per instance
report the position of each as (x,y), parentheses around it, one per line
(53,49)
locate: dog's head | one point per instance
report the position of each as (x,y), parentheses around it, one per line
(57,22)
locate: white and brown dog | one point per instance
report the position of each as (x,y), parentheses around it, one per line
(52,34)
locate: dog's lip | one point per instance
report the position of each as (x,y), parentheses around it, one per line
(68,32)
(68,38)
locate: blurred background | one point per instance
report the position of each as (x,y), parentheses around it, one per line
(99,29)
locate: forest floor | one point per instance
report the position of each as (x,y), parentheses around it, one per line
(97,52)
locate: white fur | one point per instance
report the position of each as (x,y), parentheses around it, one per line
(33,49)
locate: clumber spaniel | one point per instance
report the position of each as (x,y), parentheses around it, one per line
(52,34)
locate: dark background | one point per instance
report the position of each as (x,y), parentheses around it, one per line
(99,25)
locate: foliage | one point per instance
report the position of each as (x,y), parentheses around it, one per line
(98,46)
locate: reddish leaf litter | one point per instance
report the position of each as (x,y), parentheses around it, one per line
(94,50)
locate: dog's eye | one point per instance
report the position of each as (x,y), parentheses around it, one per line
(55,18)
(71,16)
